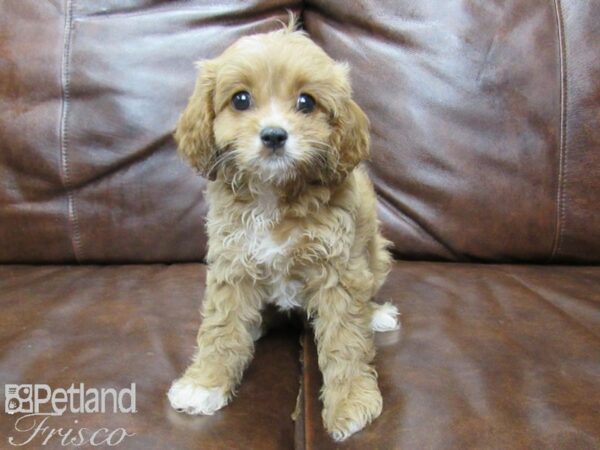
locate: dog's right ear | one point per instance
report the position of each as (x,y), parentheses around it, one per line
(194,132)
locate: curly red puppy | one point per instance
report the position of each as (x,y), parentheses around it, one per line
(292,221)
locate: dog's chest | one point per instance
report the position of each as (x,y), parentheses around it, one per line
(271,256)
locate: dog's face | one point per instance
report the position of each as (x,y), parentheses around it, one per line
(276,107)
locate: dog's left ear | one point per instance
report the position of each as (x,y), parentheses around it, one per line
(351,136)
(194,132)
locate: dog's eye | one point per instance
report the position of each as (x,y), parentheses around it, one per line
(305,103)
(241,100)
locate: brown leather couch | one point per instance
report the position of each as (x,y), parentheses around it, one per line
(486,159)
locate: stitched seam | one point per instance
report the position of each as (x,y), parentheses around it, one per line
(64,141)
(562,171)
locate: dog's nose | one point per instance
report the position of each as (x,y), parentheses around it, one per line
(273,137)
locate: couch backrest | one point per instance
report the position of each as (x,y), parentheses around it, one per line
(485,123)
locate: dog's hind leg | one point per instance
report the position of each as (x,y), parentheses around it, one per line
(383,317)
(380,260)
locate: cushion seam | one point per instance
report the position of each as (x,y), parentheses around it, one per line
(74,232)
(562,169)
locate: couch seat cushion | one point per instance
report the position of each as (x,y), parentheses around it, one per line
(108,327)
(488,357)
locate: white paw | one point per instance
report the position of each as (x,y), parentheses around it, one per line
(190,398)
(351,428)
(385,318)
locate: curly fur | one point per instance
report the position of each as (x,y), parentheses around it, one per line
(297,231)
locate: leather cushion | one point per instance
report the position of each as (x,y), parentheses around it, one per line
(113,326)
(488,357)
(90,92)
(485,124)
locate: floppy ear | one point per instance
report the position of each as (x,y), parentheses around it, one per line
(351,136)
(194,132)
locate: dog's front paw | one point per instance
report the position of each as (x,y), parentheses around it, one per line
(346,416)
(186,396)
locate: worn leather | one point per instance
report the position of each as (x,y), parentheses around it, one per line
(488,357)
(579,197)
(486,147)
(484,123)
(90,93)
(113,326)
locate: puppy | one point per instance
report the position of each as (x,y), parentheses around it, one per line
(292,221)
